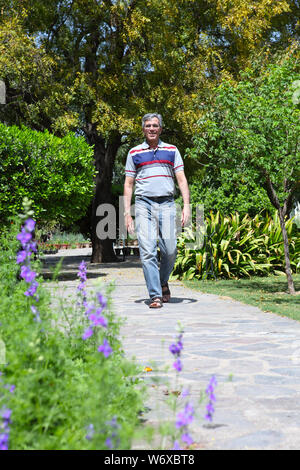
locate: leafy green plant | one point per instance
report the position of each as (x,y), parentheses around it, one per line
(239,247)
(66,389)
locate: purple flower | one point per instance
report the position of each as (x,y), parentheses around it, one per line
(102,300)
(109,443)
(174,349)
(36,313)
(112,441)
(210,411)
(176,446)
(24,237)
(210,392)
(81,286)
(91,432)
(31,290)
(32,246)
(187,439)
(177,365)
(29,225)
(89,308)
(82,275)
(6,413)
(185,417)
(98,320)
(21,256)
(105,348)
(12,388)
(4,441)
(27,274)
(88,333)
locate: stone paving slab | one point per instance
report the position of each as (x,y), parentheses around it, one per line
(254,355)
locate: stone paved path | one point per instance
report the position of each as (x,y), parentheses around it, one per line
(255,356)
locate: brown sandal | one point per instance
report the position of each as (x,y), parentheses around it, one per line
(166,294)
(156,302)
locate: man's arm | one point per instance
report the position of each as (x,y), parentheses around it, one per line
(184,189)
(128,189)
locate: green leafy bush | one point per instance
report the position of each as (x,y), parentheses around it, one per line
(240,247)
(55,173)
(220,189)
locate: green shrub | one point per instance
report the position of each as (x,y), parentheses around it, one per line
(62,383)
(55,173)
(222,190)
(240,247)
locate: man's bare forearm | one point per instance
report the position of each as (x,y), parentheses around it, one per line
(128,190)
(184,189)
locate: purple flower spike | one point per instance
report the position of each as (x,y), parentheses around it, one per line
(109,443)
(31,290)
(29,225)
(4,441)
(90,432)
(187,439)
(173,348)
(105,348)
(185,417)
(21,256)
(24,237)
(88,333)
(102,300)
(178,365)
(6,413)
(210,393)
(27,274)
(97,320)
(176,446)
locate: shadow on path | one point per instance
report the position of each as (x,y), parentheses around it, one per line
(173,300)
(70,276)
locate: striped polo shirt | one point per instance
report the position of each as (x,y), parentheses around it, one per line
(154,169)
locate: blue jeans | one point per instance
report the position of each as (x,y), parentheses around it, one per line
(156,221)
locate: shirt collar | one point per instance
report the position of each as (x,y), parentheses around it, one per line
(145,145)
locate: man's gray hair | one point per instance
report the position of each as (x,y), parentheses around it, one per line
(149,116)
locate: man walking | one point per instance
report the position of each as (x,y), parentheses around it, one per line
(153,165)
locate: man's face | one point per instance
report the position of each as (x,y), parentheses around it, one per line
(152,130)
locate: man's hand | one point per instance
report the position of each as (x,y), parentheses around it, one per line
(129,224)
(185,214)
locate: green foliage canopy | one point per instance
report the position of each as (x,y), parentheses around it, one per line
(253,129)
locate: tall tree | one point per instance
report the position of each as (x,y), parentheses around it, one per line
(254,130)
(119,59)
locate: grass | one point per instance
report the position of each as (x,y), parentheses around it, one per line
(270,294)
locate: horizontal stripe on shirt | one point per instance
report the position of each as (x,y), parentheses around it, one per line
(154,176)
(150,150)
(150,162)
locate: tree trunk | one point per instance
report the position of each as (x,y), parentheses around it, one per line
(102,247)
(286,254)
(282,211)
